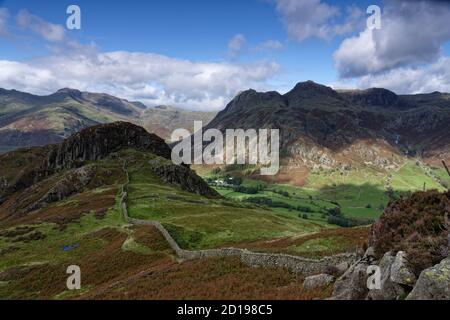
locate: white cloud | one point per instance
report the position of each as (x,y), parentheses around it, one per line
(238,45)
(270,45)
(424,79)
(150,78)
(49,31)
(412,33)
(305,19)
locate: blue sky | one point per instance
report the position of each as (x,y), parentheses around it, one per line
(232,45)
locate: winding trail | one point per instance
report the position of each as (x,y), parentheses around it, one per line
(295,264)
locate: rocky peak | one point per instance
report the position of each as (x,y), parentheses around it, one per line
(373,97)
(97,142)
(310,89)
(251,98)
(69,92)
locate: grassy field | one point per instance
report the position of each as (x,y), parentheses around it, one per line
(118,260)
(360,194)
(413,177)
(197,222)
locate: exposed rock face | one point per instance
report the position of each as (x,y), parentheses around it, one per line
(401,271)
(98,142)
(318,281)
(388,290)
(353,284)
(185,178)
(30,166)
(73,182)
(327,127)
(342,268)
(375,97)
(433,283)
(396,280)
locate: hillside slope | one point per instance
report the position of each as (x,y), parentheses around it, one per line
(30,120)
(61,205)
(321,127)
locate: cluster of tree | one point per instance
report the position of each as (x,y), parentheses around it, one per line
(248,189)
(282,193)
(265,201)
(346,222)
(336,217)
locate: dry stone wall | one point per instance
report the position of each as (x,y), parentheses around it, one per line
(294,264)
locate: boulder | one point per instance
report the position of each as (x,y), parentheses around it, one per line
(401,272)
(342,267)
(389,289)
(433,283)
(318,281)
(353,283)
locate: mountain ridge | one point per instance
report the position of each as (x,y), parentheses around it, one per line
(31,120)
(322,127)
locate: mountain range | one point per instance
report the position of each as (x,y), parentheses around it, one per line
(322,127)
(31,120)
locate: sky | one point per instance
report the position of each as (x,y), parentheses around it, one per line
(199,54)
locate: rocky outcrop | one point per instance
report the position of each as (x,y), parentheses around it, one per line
(23,168)
(401,271)
(97,142)
(318,281)
(433,283)
(185,179)
(73,182)
(396,280)
(353,283)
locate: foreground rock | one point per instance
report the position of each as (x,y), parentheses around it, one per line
(396,278)
(401,272)
(395,282)
(353,283)
(433,283)
(318,281)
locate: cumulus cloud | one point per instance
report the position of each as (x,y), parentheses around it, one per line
(305,19)
(49,31)
(151,78)
(147,77)
(412,33)
(424,79)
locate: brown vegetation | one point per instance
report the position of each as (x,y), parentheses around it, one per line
(335,241)
(212,279)
(416,225)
